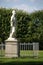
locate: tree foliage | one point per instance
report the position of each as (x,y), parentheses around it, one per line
(29,27)
(5,15)
(37,18)
(22,19)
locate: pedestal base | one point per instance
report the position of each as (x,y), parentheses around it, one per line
(11,48)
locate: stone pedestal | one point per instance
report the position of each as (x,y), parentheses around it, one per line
(11,48)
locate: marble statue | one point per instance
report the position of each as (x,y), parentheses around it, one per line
(11,46)
(12,23)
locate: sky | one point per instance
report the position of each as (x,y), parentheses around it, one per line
(26,5)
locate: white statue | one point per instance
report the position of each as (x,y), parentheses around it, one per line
(12,23)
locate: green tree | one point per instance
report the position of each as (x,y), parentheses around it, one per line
(38,36)
(5,15)
(22,19)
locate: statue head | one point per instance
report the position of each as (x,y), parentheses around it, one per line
(13,12)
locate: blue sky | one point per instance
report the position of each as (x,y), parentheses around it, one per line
(26,5)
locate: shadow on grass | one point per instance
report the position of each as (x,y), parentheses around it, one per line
(22,63)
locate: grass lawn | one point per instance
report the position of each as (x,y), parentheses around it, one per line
(23,59)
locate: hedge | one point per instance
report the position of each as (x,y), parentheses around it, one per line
(29,27)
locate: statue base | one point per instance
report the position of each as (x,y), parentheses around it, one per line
(11,48)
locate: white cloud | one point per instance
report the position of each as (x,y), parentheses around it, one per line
(11,0)
(26,8)
(32,0)
(23,7)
